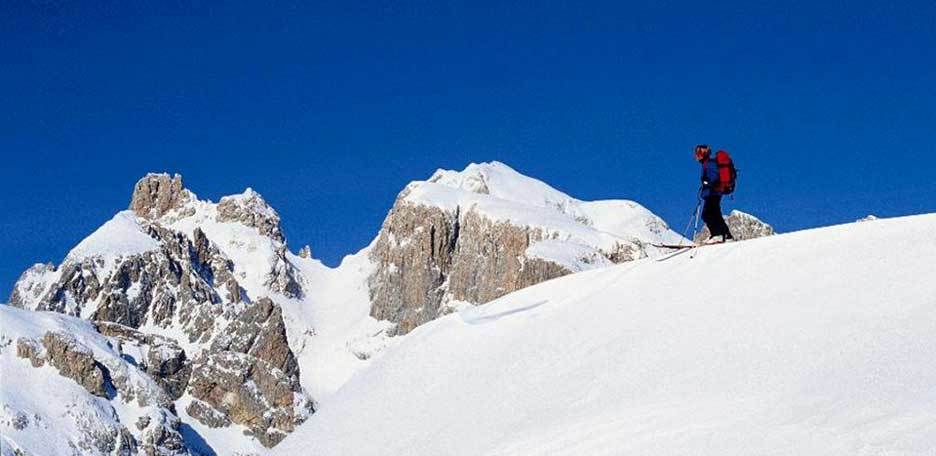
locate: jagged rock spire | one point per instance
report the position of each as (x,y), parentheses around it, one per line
(156,194)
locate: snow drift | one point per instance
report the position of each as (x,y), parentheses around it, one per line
(815,342)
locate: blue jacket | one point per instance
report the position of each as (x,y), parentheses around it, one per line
(709,178)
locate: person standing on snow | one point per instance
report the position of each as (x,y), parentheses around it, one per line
(711,211)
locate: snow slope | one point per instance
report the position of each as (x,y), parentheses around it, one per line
(120,236)
(815,342)
(36,402)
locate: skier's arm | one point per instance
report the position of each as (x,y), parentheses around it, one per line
(710,177)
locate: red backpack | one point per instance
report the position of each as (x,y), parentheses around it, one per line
(727,173)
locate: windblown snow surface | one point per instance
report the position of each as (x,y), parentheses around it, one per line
(820,342)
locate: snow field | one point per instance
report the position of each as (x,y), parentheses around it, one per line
(816,342)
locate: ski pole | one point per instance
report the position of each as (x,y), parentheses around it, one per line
(693,218)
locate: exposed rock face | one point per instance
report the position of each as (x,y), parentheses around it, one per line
(76,408)
(282,276)
(70,358)
(157,194)
(427,257)
(161,436)
(27,287)
(237,361)
(179,282)
(743,227)
(251,377)
(162,358)
(250,209)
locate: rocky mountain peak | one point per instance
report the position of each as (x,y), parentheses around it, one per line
(743,226)
(471,236)
(157,194)
(250,209)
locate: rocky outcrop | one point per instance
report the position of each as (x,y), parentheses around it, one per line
(77,410)
(157,194)
(162,358)
(249,376)
(160,435)
(29,287)
(743,227)
(72,360)
(250,209)
(282,275)
(427,256)
(182,282)
(237,362)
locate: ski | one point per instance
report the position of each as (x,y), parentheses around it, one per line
(674,246)
(672,254)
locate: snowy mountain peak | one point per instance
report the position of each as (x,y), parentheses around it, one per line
(250,209)
(466,237)
(500,181)
(502,194)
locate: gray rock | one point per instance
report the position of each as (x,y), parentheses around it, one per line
(157,194)
(29,290)
(250,209)
(282,276)
(73,360)
(426,256)
(161,436)
(30,349)
(207,415)
(743,227)
(165,361)
(250,376)
(243,371)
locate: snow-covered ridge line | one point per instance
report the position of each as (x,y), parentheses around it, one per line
(500,193)
(813,342)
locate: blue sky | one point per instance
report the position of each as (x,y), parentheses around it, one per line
(329,110)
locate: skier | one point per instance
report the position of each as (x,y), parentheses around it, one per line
(711,211)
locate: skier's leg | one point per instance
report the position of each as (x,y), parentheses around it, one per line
(722,225)
(711,213)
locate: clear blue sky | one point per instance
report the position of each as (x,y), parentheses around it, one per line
(329,110)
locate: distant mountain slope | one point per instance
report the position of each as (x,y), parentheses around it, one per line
(467,237)
(64,389)
(814,342)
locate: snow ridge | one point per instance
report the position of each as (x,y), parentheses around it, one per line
(500,193)
(813,343)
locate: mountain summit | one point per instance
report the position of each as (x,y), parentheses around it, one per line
(467,237)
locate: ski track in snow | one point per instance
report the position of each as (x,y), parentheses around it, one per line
(817,342)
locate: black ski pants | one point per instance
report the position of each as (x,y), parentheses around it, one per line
(712,216)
